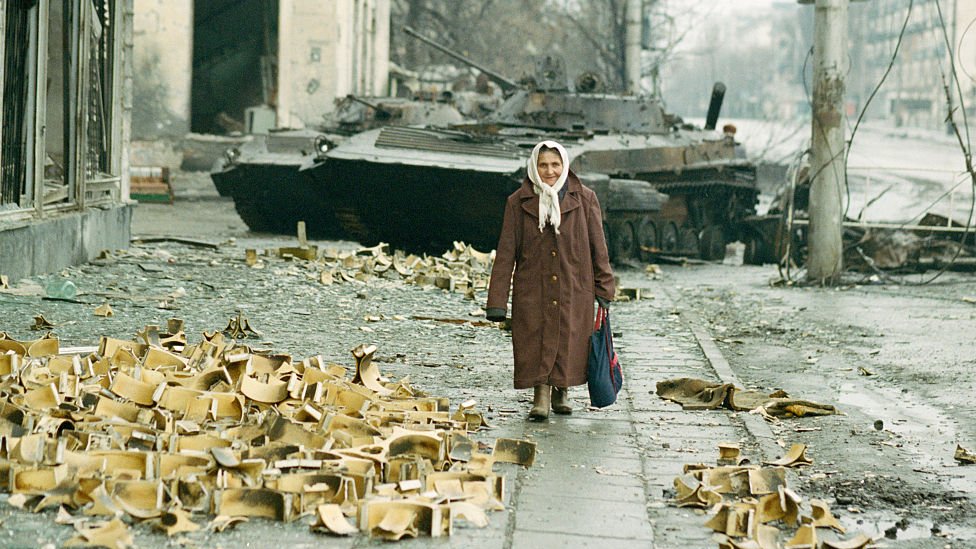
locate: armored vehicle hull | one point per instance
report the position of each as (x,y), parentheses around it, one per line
(422,188)
(267,178)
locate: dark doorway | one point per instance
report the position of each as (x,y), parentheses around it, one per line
(235,45)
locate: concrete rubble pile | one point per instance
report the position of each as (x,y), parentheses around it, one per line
(462,269)
(749,504)
(164,431)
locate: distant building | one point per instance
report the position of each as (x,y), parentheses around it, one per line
(65,70)
(227,66)
(913,95)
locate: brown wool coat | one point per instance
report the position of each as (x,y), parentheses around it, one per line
(556,277)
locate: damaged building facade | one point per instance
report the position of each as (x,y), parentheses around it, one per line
(913,94)
(210,68)
(63,152)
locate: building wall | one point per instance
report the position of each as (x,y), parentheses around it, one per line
(327,50)
(163,62)
(913,93)
(39,234)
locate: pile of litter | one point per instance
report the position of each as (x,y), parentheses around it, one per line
(164,431)
(462,269)
(698,394)
(747,502)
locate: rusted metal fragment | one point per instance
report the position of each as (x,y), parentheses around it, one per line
(520,452)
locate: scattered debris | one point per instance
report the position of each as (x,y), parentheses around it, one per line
(113,534)
(158,427)
(795,457)
(632,294)
(104,310)
(41,323)
(747,502)
(964,456)
(176,239)
(698,394)
(239,328)
(4,282)
(521,452)
(864,371)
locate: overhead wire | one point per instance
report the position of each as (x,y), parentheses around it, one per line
(966,149)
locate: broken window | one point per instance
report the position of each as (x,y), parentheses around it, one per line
(13,145)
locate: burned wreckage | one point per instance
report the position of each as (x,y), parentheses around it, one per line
(664,186)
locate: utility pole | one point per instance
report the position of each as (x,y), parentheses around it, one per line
(825,258)
(633,24)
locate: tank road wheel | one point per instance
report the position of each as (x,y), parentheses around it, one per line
(646,239)
(689,241)
(712,243)
(669,238)
(623,244)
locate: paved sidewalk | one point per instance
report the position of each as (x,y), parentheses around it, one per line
(603,478)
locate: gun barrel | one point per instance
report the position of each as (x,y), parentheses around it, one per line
(715,106)
(373,106)
(505,83)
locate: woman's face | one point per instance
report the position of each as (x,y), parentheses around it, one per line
(550,167)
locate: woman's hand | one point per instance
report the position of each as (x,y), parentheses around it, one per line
(605,303)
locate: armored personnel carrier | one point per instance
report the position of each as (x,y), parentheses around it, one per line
(267,176)
(421,188)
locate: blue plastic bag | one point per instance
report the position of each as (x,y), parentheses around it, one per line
(604,377)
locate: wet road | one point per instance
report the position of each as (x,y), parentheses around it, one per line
(914,341)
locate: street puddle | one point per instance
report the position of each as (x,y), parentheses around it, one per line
(897,413)
(888,527)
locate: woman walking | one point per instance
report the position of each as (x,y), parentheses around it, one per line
(552,237)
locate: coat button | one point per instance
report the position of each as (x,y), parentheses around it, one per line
(555,278)
(554,302)
(554,253)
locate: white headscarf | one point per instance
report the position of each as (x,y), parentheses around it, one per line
(548,195)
